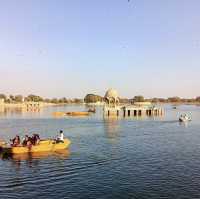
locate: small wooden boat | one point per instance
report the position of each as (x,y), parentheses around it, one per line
(83,113)
(43,146)
(77,113)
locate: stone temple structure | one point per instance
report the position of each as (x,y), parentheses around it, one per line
(113,107)
(112,97)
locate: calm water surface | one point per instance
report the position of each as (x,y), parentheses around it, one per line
(109,158)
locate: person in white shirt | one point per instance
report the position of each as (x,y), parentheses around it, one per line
(60,138)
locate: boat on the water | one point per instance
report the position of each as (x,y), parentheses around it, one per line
(83,113)
(59,114)
(92,110)
(74,113)
(43,146)
(185,118)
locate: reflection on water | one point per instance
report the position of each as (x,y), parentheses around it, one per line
(2,109)
(111,126)
(150,158)
(17,111)
(184,124)
(33,159)
(34,112)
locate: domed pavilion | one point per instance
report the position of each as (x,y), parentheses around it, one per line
(112,97)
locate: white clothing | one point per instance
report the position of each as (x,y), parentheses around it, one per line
(61,137)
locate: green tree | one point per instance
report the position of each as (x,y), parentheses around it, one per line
(34,98)
(174,99)
(78,101)
(91,98)
(47,100)
(157,100)
(18,98)
(62,100)
(12,97)
(198,99)
(138,98)
(3,96)
(54,100)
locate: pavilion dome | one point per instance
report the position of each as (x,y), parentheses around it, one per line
(112,93)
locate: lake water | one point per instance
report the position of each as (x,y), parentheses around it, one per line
(108,158)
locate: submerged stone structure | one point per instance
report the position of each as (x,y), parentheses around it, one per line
(113,108)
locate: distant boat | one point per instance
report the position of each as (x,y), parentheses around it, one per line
(62,114)
(82,113)
(92,110)
(185,118)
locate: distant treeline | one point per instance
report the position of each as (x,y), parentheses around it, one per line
(36,98)
(92,98)
(176,100)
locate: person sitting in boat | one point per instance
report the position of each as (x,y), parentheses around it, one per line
(60,138)
(25,140)
(35,139)
(16,141)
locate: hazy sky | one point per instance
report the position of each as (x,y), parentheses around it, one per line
(73,47)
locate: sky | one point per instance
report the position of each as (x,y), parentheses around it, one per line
(68,48)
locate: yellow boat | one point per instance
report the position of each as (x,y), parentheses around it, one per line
(43,146)
(74,113)
(59,114)
(83,113)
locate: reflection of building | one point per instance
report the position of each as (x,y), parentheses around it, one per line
(1,101)
(112,107)
(2,108)
(19,108)
(33,106)
(112,127)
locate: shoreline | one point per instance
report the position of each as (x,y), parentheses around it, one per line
(23,105)
(44,104)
